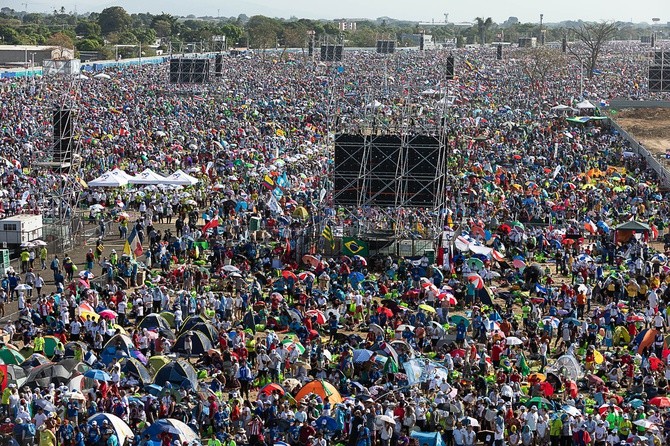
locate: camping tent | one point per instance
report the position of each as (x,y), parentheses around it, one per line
(201,344)
(133,367)
(181,178)
(154,320)
(180,430)
(147,176)
(108,179)
(177,372)
(121,428)
(322,388)
(429,438)
(626,231)
(120,346)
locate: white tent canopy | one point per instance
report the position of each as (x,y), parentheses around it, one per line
(121,173)
(586,104)
(147,176)
(108,179)
(181,178)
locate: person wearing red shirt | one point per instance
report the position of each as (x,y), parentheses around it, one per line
(305,432)
(496,351)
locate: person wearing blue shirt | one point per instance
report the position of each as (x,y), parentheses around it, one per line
(460,331)
(79,439)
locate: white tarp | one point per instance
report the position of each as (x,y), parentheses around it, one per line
(586,104)
(181,178)
(108,179)
(147,176)
(121,173)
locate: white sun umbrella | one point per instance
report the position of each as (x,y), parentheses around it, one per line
(122,430)
(102,76)
(513,340)
(39,243)
(23,287)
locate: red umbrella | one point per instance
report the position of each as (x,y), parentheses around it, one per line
(320,317)
(655,363)
(477,280)
(305,274)
(286,274)
(660,401)
(458,352)
(311,260)
(602,410)
(635,318)
(272,387)
(387,311)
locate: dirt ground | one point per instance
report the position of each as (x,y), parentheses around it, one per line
(649,126)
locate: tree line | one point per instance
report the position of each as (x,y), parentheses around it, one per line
(114,26)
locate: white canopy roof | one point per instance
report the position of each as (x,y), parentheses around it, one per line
(147,176)
(108,179)
(121,173)
(181,178)
(585,104)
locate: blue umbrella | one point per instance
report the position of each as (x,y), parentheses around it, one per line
(99,375)
(362,355)
(356,277)
(326,423)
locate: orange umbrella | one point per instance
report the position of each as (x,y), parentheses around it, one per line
(647,340)
(322,388)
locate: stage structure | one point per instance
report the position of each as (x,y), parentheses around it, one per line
(62,160)
(189,70)
(394,161)
(659,72)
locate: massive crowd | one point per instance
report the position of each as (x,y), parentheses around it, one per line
(229,319)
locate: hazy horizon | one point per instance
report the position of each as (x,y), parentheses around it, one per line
(417,10)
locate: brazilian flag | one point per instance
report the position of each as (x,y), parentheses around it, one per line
(354,247)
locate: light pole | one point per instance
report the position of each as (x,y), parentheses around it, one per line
(541,30)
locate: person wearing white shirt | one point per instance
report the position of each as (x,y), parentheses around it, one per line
(458,436)
(469,436)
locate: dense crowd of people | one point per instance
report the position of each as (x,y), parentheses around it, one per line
(227,317)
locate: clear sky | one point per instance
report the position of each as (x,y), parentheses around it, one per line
(420,10)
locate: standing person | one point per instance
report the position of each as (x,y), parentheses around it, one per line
(245,377)
(25,260)
(39,284)
(43,257)
(47,436)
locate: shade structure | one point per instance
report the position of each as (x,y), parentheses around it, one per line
(154,320)
(200,343)
(191,322)
(71,348)
(428,438)
(208,330)
(50,343)
(108,179)
(16,375)
(45,374)
(147,176)
(133,367)
(177,373)
(118,347)
(11,356)
(179,430)
(322,388)
(181,178)
(122,430)
(34,360)
(120,173)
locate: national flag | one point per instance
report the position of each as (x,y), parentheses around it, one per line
(4,377)
(283,181)
(212,224)
(328,235)
(274,206)
(354,247)
(277,193)
(268,182)
(523,365)
(133,245)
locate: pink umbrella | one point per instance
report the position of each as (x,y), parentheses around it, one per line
(108,314)
(305,274)
(518,264)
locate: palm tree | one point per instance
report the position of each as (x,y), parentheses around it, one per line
(483,26)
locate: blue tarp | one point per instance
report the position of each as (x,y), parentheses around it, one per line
(429,438)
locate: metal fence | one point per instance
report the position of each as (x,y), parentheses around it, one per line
(653,162)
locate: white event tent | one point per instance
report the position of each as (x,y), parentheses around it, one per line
(147,176)
(181,178)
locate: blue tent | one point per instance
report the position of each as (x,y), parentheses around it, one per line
(429,438)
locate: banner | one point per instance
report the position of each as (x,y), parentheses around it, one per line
(354,247)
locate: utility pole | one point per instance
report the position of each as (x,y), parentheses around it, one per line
(541,30)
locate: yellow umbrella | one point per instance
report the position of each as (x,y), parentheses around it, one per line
(598,357)
(427,308)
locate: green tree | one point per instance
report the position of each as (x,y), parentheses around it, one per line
(32,18)
(232,32)
(61,40)
(87,29)
(113,19)
(263,32)
(483,26)
(88,45)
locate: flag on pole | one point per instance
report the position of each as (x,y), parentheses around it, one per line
(212,224)
(133,245)
(328,235)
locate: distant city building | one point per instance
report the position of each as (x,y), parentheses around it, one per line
(347,26)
